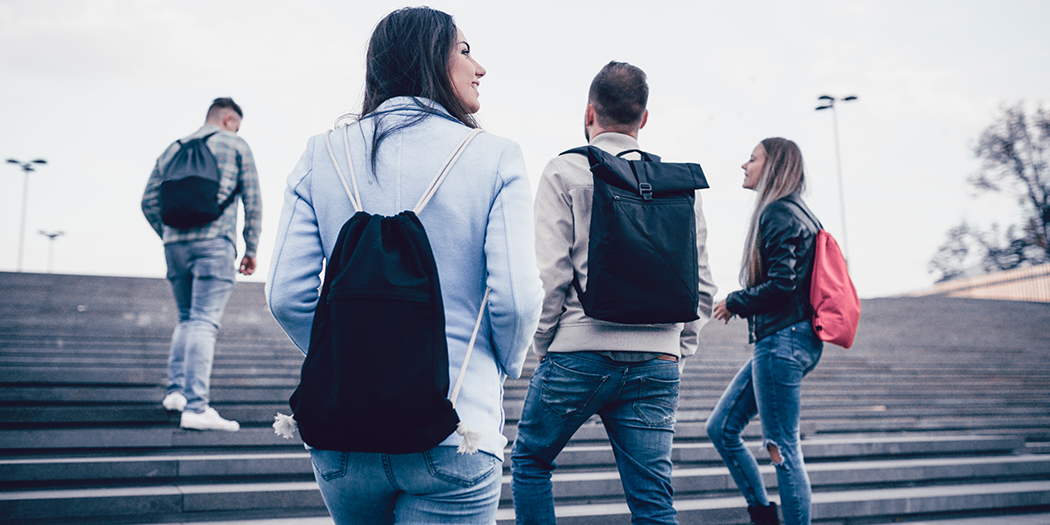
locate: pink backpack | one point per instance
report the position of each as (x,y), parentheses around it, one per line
(836,307)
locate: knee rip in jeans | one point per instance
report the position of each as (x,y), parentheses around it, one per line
(774,453)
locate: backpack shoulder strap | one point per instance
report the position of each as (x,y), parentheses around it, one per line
(229,200)
(443,172)
(354,194)
(204,138)
(646,156)
(585,151)
(470,348)
(471,438)
(805,210)
(354,200)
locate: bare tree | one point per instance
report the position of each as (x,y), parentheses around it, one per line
(1014,150)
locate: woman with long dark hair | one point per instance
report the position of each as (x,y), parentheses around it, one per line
(421,92)
(777,263)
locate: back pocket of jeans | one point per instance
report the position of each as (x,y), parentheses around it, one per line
(567,392)
(466,470)
(329,464)
(657,401)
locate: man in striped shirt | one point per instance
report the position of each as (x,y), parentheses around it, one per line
(201,263)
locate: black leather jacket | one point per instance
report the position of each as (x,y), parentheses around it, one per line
(781,298)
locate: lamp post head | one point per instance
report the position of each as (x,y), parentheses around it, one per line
(829,101)
(27,166)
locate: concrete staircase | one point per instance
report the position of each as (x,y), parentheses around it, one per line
(941,411)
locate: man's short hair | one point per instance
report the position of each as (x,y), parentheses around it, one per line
(619,94)
(222,103)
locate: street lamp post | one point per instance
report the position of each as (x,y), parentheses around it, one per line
(27,168)
(828,102)
(51,246)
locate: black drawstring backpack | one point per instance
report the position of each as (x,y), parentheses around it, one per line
(189,188)
(375,378)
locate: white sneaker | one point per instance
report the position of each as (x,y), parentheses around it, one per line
(208,420)
(174,402)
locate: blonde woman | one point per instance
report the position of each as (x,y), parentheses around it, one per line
(777,262)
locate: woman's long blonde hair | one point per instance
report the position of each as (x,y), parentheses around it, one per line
(782,175)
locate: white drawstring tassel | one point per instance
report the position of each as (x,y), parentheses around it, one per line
(471,439)
(284,426)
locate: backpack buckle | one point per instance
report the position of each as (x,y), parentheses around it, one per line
(646,191)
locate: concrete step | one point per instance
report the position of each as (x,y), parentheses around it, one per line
(838,448)
(1040,518)
(75,440)
(892,504)
(123,414)
(155,376)
(1035,518)
(1030,428)
(167,502)
(696,482)
(223,358)
(264,403)
(58,395)
(105,469)
(289,458)
(132,393)
(161,501)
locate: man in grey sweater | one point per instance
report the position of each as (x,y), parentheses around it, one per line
(628,374)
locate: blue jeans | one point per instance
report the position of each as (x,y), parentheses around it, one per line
(437,486)
(637,404)
(202,276)
(769,385)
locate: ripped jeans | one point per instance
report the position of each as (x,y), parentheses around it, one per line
(769,385)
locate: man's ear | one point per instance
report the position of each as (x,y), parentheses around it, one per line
(645,118)
(589,116)
(230,121)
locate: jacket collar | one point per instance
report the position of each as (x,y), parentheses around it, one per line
(403,105)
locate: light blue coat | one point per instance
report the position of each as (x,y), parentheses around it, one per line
(480,227)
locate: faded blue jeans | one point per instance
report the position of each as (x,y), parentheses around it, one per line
(637,404)
(202,277)
(437,486)
(769,385)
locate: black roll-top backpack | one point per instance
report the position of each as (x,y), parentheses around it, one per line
(642,263)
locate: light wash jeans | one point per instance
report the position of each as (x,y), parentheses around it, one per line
(770,385)
(202,277)
(637,404)
(437,486)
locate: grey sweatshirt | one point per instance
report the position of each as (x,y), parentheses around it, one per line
(563,216)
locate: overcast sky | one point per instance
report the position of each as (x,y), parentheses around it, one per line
(100,88)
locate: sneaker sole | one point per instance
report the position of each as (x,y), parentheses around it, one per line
(210,428)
